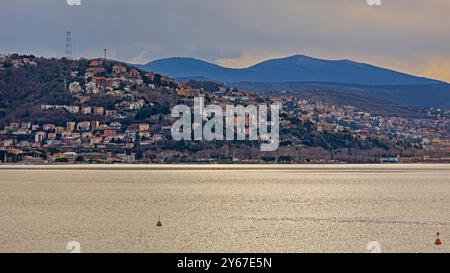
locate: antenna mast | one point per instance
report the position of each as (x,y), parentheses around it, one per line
(68,52)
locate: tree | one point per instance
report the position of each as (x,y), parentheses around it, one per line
(79,158)
(285,159)
(268,158)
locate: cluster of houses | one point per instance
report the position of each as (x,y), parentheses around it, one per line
(98,80)
(101,134)
(15,61)
(88,110)
(113,139)
(434,129)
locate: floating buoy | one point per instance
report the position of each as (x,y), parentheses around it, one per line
(438,241)
(158,223)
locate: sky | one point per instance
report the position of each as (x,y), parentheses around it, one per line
(411,36)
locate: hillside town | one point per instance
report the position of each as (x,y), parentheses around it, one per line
(120,114)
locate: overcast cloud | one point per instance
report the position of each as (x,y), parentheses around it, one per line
(408,35)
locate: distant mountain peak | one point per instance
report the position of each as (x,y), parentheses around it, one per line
(180,60)
(296,68)
(298,57)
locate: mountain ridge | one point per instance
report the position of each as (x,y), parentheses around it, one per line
(300,73)
(425,95)
(296,68)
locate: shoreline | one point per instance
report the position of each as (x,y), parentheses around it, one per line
(225,167)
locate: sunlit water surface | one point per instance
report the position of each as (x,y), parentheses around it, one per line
(238,208)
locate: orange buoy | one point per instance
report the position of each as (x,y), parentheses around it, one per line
(158,223)
(438,241)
